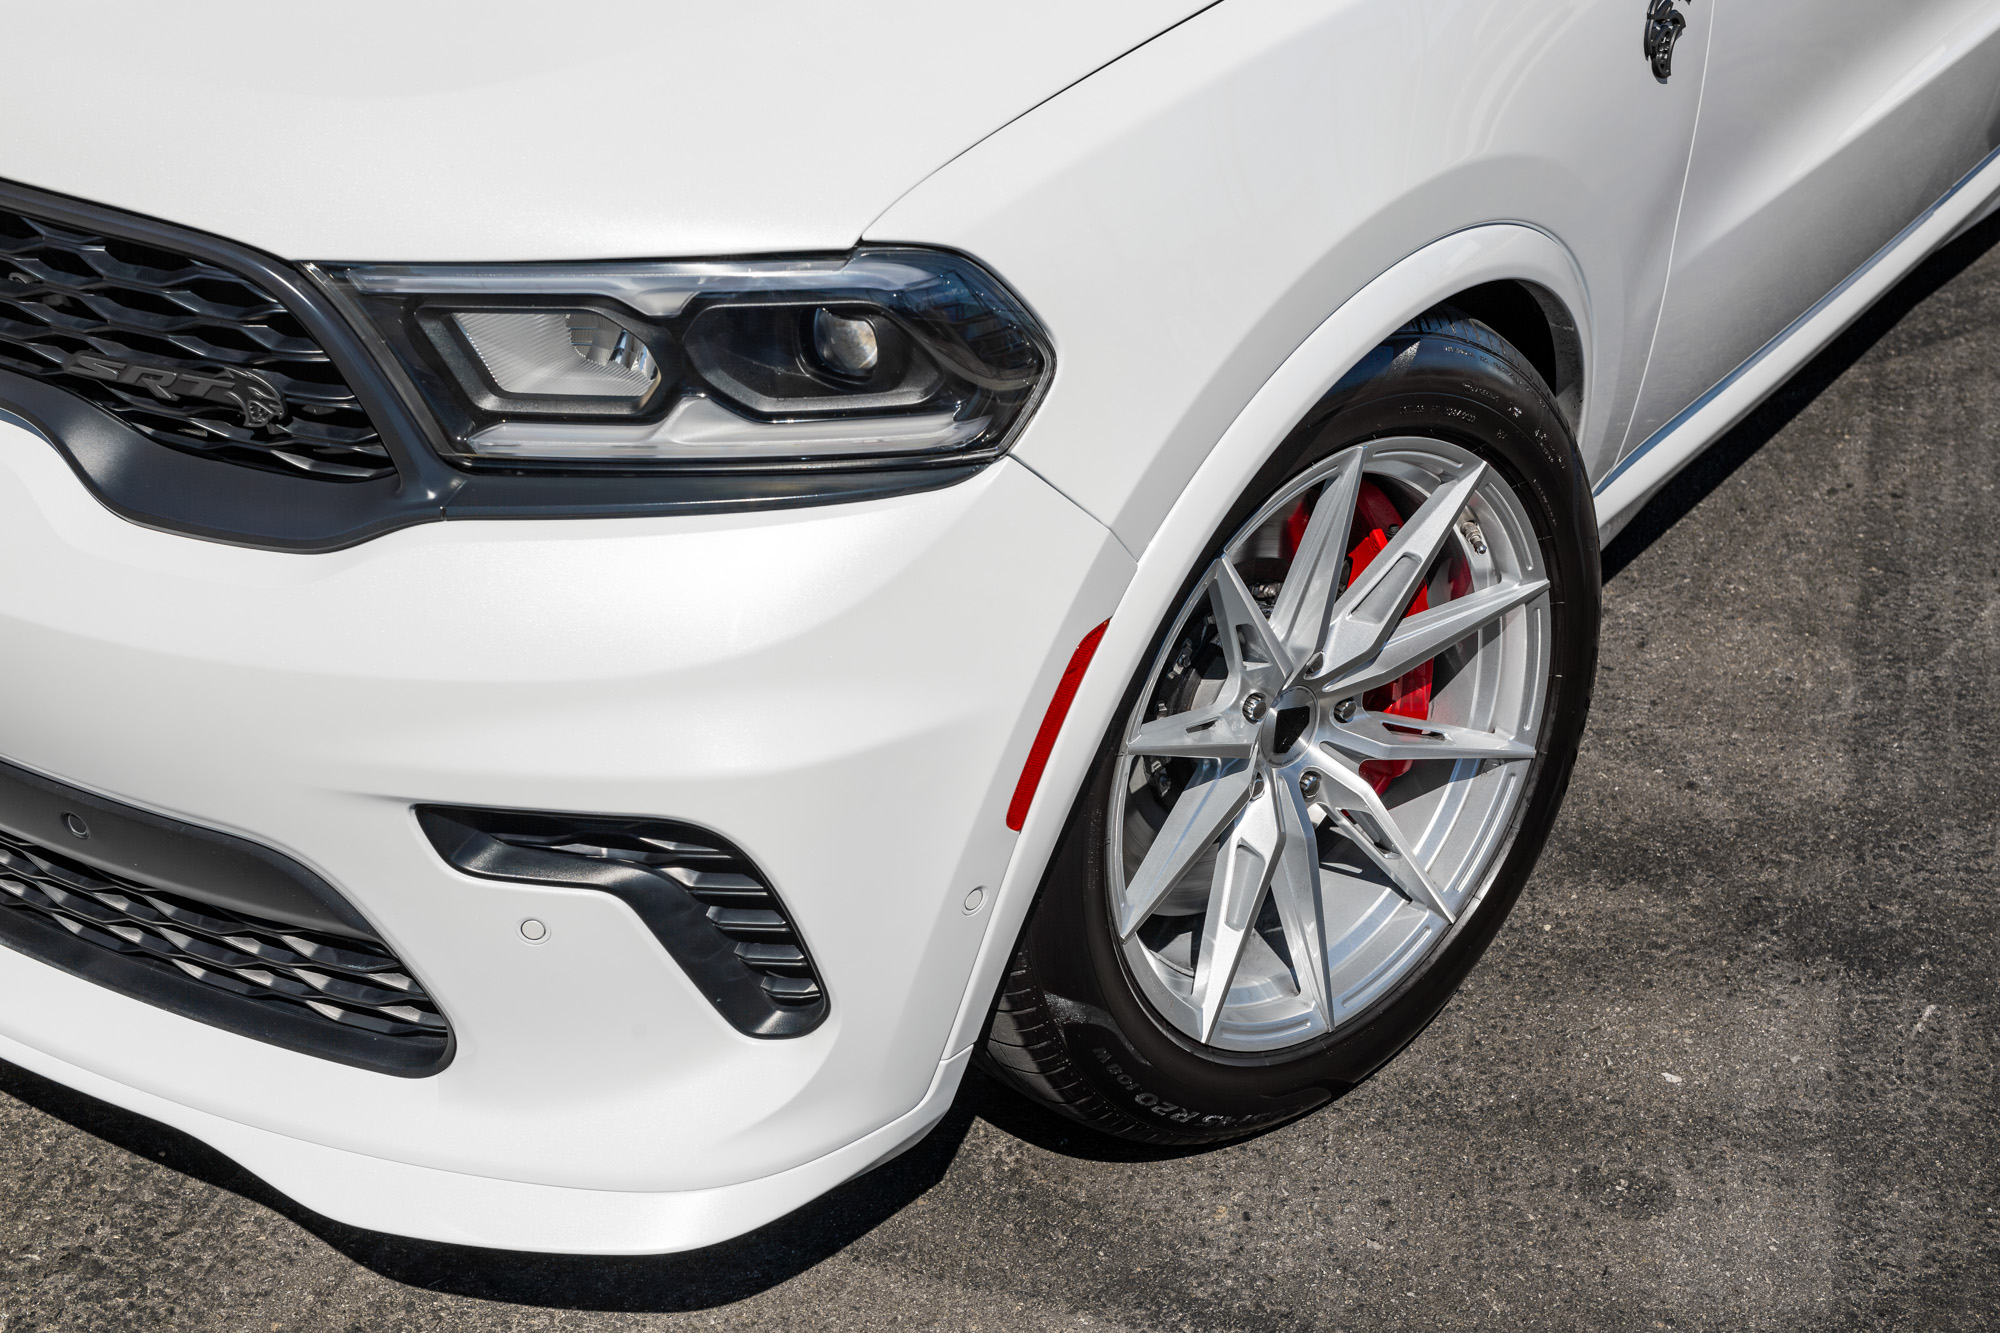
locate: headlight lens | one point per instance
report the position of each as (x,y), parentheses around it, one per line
(888,355)
(555,353)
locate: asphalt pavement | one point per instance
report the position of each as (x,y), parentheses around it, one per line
(1729,1065)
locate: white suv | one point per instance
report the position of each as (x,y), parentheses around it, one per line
(595,602)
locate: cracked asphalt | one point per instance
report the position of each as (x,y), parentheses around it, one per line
(1730,1065)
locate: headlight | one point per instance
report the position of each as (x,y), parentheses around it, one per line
(903,355)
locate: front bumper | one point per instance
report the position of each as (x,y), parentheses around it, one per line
(847,693)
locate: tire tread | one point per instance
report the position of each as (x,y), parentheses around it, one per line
(1036,1064)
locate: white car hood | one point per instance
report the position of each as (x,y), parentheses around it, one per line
(502,130)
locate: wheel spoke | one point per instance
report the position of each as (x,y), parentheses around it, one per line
(1359,813)
(1239,618)
(1299,617)
(1199,816)
(1216,732)
(1242,873)
(1419,638)
(1298,893)
(1392,736)
(1368,612)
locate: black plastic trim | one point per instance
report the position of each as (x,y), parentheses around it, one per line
(161,487)
(196,862)
(472,841)
(156,486)
(191,999)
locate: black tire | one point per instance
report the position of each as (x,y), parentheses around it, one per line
(1069,1028)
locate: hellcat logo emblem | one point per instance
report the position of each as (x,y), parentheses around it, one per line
(1664,26)
(250,393)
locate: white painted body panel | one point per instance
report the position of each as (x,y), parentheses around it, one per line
(723,669)
(1214,228)
(1625,489)
(1826,126)
(1186,218)
(502,129)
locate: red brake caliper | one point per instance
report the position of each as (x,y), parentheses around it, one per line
(1376,520)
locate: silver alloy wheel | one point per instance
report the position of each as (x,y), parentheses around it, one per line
(1263,890)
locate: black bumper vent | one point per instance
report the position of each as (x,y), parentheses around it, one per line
(190,354)
(328,995)
(705,901)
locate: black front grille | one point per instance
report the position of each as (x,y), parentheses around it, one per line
(329,995)
(192,355)
(704,900)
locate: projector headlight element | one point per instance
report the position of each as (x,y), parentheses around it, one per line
(556,353)
(887,356)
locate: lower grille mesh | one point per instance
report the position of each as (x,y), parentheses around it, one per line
(307,976)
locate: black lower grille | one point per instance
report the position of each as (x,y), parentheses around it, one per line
(329,995)
(194,356)
(704,900)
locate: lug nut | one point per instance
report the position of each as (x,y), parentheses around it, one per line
(1344,710)
(1253,708)
(1315,664)
(1309,785)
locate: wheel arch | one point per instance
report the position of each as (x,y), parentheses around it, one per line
(1541,326)
(1492,266)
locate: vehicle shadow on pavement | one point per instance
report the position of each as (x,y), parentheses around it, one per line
(1734,449)
(697,1280)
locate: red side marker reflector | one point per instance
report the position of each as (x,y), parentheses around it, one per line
(1045,739)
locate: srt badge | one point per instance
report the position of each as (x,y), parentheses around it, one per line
(255,397)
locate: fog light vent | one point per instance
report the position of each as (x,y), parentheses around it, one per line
(705,901)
